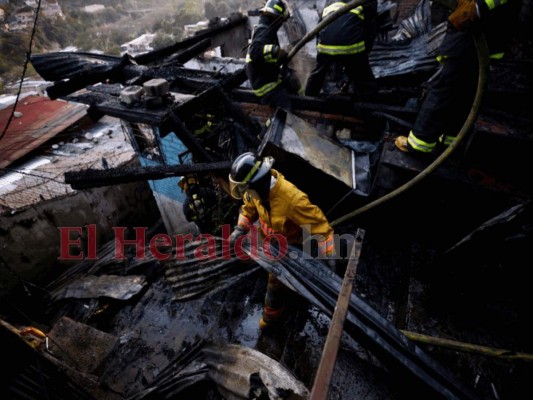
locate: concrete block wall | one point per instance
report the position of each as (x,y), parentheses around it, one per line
(30,239)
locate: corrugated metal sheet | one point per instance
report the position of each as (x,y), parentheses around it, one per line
(42,177)
(39,120)
(69,65)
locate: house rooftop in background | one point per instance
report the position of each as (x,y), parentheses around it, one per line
(36,120)
(99,144)
(35,85)
(137,46)
(92,8)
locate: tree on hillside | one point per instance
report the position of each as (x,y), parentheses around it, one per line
(62,34)
(189,13)
(213,9)
(169,27)
(13,57)
(11,45)
(163,40)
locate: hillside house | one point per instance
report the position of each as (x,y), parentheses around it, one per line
(164,331)
(191,29)
(137,46)
(22,19)
(51,8)
(93,8)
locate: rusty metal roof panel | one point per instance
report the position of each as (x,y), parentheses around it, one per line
(39,120)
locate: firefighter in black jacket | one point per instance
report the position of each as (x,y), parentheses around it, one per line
(265,56)
(347,40)
(451,94)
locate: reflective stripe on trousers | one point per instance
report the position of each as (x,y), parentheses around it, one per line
(420,145)
(266,88)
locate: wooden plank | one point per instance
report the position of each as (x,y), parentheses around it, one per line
(329,354)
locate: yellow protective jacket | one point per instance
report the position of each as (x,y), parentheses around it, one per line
(290,210)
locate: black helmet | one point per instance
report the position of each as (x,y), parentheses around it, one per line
(246,170)
(276,8)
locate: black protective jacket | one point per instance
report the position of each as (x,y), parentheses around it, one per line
(497,19)
(262,65)
(352,33)
(449,100)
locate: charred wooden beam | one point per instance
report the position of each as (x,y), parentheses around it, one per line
(188,139)
(329,354)
(191,52)
(466,168)
(157,116)
(339,105)
(89,178)
(74,71)
(63,88)
(114,108)
(67,65)
(158,55)
(392,118)
(210,95)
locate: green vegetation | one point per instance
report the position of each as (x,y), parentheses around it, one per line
(189,13)
(13,48)
(216,9)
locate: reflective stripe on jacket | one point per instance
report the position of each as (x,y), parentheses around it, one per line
(262,66)
(492,4)
(290,209)
(345,35)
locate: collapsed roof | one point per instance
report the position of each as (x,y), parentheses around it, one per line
(217,86)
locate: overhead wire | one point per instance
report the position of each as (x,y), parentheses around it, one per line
(25,67)
(201,88)
(28,132)
(30,174)
(44,176)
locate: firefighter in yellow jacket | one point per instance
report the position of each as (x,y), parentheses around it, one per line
(280,208)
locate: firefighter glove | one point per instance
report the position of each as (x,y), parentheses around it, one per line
(283,56)
(464,15)
(237,232)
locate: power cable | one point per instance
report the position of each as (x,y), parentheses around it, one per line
(28,55)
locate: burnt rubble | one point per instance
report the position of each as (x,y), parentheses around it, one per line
(446,258)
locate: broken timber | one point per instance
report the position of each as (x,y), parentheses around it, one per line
(420,375)
(468,347)
(72,71)
(89,178)
(156,55)
(329,354)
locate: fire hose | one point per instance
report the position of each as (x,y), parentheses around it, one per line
(483,61)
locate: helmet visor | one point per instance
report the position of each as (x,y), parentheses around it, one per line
(237,189)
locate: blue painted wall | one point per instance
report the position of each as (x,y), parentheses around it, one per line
(171,147)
